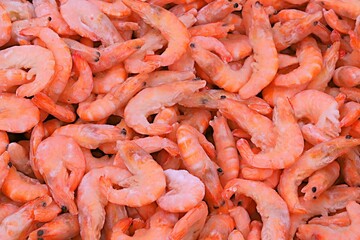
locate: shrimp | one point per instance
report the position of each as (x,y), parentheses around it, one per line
(177,36)
(18,9)
(103,82)
(4,166)
(116,98)
(5,27)
(199,164)
(49,8)
(27,188)
(113,9)
(321,180)
(191,224)
(137,111)
(91,55)
(19,157)
(331,56)
(92,199)
(216,30)
(40,61)
(197,118)
(157,78)
(328,232)
(347,76)
(217,226)
(310,61)
(335,23)
(185,191)
(272,208)
(345,8)
(312,160)
(255,230)
(12,77)
(323,116)
(242,220)
(238,46)
(114,214)
(7,209)
(227,157)
(236,235)
(90,135)
(285,152)
(265,54)
(4,142)
(339,219)
(64,226)
(62,168)
(21,113)
(216,11)
(349,113)
(137,190)
(88,21)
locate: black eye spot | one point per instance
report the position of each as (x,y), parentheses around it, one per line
(216,207)
(222,97)
(204,101)
(236,5)
(49,18)
(10,164)
(64,209)
(313,189)
(314,197)
(192,45)
(40,232)
(44,204)
(348,136)
(123,131)
(219,170)
(315,23)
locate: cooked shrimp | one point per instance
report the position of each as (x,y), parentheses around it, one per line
(38,59)
(5,27)
(4,141)
(272,208)
(177,36)
(255,230)
(167,95)
(184,191)
(342,26)
(88,21)
(313,159)
(238,46)
(218,226)
(62,168)
(113,9)
(114,214)
(198,163)
(17,114)
(216,30)
(19,157)
(321,180)
(310,61)
(18,9)
(347,76)
(64,226)
(349,113)
(88,53)
(104,81)
(7,209)
(191,224)
(227,156)
(138,190)
(346,8)
(92,199)
(197,118)
(90,135)
(116,98)
(4,166)
(26,189)
(265,54)
(236,235)
(339,219)
(242,220)
(217,10)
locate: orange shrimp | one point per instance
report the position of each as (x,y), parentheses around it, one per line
(242,220)
(104,81)
(5,27)
(238,46)
(217,226)
(4,166)
(346,8)
(113,9)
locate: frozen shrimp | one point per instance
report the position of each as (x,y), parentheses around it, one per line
(217,226)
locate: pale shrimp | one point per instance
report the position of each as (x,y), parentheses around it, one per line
(167,95)
(62,168)
(115,8)
(312,160)
(323,116)
(242,219)
(92,199)
(37,134)
(157,78)
(346,76)
(342,26)
(177,36)
(88,21)
(62,56)
(17,225)
(17,114)
(199,164)
(345,8)
(4,166)
(218,226)
(219,72)
(226,153)
(216,30)
(265,54)
(236,235)
(50,8)
(310,61)
(7,209)
(114,213)
(27,188)
(40,61)
(197,118)
(339,219)
(91,55)
(191,224)
(90,135)
(4,141)
(12,77)
(168,115)
(18,9)
(349,169)
(255,230)
(64,226)
(238,46)
(116,98)
(137,190)
(328,232)
(92,162)
(349,113)
(252,173)
(5,27)
(271,207)
(292,31)
(214,45)
(103,82)
(321,180)
(330,57)
(287,60)
(217,10)
(184,191)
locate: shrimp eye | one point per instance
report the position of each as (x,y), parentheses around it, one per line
(204,101)
(348,136)
(44,204)
(314,197)
(40,232)
(49,19)
(219,170)
(313,189)
(64,209)
(275,12)
(10,164)
(222,97)
(236,5)
(216,207)
(123,131)
(192,45)
(315,23)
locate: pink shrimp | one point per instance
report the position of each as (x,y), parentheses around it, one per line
(242,219)
(217,226)
(238,46)
(5,27)
(113,9)
(216,11)
(349,113)
(4,166)
(346,8)
(103,82)
(346,76)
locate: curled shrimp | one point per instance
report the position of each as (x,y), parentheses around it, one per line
(104,81)
(167,95)
(217,226)
(18,9)
(185,191)
(217,10)
(346,76)
(242,219)
(177,36)
(238,46)
(272,208)
(137,190)
(62,169)
(5,27)
(265,54)
(38,59)
(91,55)
(313,159)
(349,113)
(21,113)
(113,9)
(89,21)
(346,8)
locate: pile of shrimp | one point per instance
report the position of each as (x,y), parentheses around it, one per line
(179,119)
